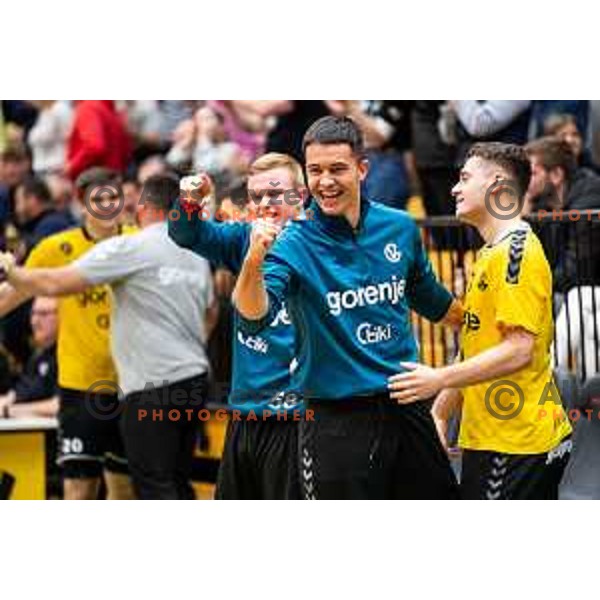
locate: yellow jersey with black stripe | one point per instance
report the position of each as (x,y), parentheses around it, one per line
(83,347)
(511,286)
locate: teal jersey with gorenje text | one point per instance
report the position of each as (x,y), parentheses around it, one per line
(262,363)
(349,293)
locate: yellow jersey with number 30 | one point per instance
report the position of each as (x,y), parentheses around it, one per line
(511,286)
(83,347)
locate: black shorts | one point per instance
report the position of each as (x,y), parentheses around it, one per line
(373,448)
(260,461)
(496,476)
(160,435)
(88,434)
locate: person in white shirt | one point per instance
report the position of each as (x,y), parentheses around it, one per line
(47,138)
(578,331)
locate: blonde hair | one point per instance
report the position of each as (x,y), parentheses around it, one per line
(276,160)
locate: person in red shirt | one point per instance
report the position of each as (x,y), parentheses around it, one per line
(99,138)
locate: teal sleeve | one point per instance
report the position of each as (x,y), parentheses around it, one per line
(223,244)
(425,294)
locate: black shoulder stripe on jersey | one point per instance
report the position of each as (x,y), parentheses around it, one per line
(515,256)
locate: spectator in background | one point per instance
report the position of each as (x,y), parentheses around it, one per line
(147,126)
(578,331)
(542,110)
(203,145)
(48,137)
(572,248)
(435,159)
(153,165)
(490,120)
(35,393)
(293,118)
(132,191)
(556,180)
(386,128)
(565,127)
(19,117)
(174,112)
(99,138)
(63,195)
(14,166)
(35,215)
(243,125)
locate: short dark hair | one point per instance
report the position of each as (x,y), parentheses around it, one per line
(15,152)
(335,130)
(96,177)
(37,187)
(131,179)
(510,157)
(161,191)
(554,152)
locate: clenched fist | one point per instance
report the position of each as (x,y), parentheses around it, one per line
(264,234)
(196,189)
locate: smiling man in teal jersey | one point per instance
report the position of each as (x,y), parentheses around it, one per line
(260,455)
(350,277)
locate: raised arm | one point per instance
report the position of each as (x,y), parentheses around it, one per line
(42,282)
(250,294)
(221,243)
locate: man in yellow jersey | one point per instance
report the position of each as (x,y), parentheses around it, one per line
(514,432)
(89,439)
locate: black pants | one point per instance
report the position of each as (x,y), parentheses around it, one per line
(496,476)
(160,446)
(260,461)
(373,448)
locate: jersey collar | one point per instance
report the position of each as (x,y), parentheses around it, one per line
(88,236)
(502,235)
(339,225)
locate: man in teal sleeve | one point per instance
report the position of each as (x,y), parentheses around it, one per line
(350,277)
(260,455)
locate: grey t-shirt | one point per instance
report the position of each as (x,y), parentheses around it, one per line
(160,296)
